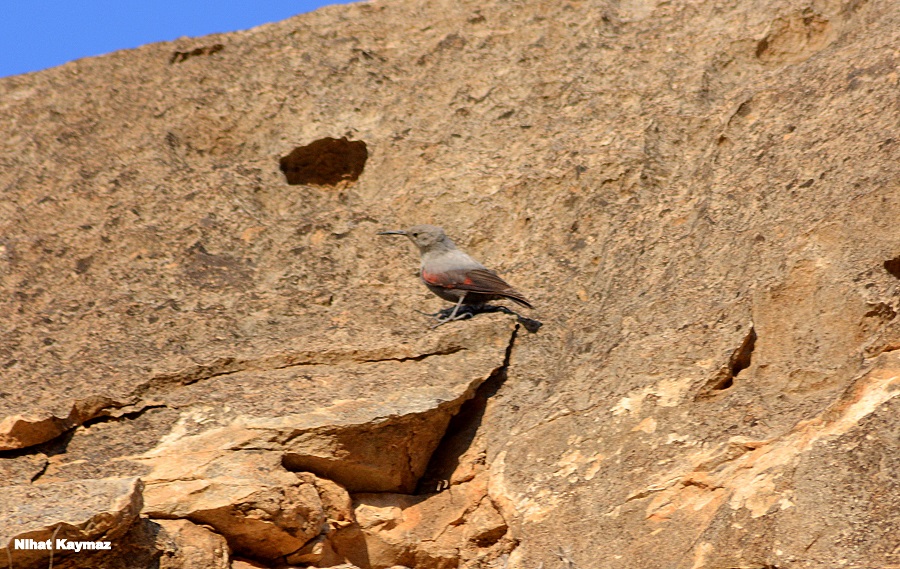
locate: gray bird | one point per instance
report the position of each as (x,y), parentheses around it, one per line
(453,275)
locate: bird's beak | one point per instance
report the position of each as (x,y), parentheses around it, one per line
(392,232)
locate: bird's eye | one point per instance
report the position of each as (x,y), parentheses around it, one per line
(415,234)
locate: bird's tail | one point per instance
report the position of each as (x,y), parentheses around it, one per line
(517,297)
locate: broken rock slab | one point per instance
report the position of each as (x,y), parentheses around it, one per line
(261,509)
(24,430)
(84,511)
(437,531)
(370,425)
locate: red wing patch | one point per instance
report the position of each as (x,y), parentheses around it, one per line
(482,281)
(440,279)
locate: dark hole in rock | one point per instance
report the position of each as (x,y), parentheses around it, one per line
(325,162)
(893,266)
(180,56)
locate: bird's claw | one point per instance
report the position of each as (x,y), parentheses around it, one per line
(429,314)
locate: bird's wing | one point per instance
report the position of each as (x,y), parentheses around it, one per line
(481,281)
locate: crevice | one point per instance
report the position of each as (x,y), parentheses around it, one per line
(740,359)
(492,537)
(566,557)
(128,415)
(228,366)
(462,429)
(223,366)
(40,472)
(447,352)
(813,542)
(29,432)
(643,494)
(650,490)
(52,447)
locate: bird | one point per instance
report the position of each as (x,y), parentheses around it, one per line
(453,275)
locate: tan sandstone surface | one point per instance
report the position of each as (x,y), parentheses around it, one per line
(208,366)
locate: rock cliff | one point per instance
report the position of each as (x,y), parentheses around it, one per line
(209,359)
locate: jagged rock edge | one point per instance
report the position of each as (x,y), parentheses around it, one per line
(222,367)
(458,402)
(15,436)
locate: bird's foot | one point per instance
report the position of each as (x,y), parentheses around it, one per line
(449,315)
(467,311)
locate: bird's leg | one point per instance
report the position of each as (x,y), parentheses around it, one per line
(456,308)
(465,311)
(453,315)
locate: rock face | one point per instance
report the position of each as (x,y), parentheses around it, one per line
(209,358)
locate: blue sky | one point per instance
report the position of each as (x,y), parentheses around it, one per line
(36,34)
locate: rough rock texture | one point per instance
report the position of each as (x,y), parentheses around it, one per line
(701,199)
(88,510)
(438,531)
(192,547)
(248,498)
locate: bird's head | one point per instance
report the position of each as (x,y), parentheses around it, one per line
(425,237)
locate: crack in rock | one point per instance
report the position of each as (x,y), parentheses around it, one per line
(745,470)
(230,365)
(739,360)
